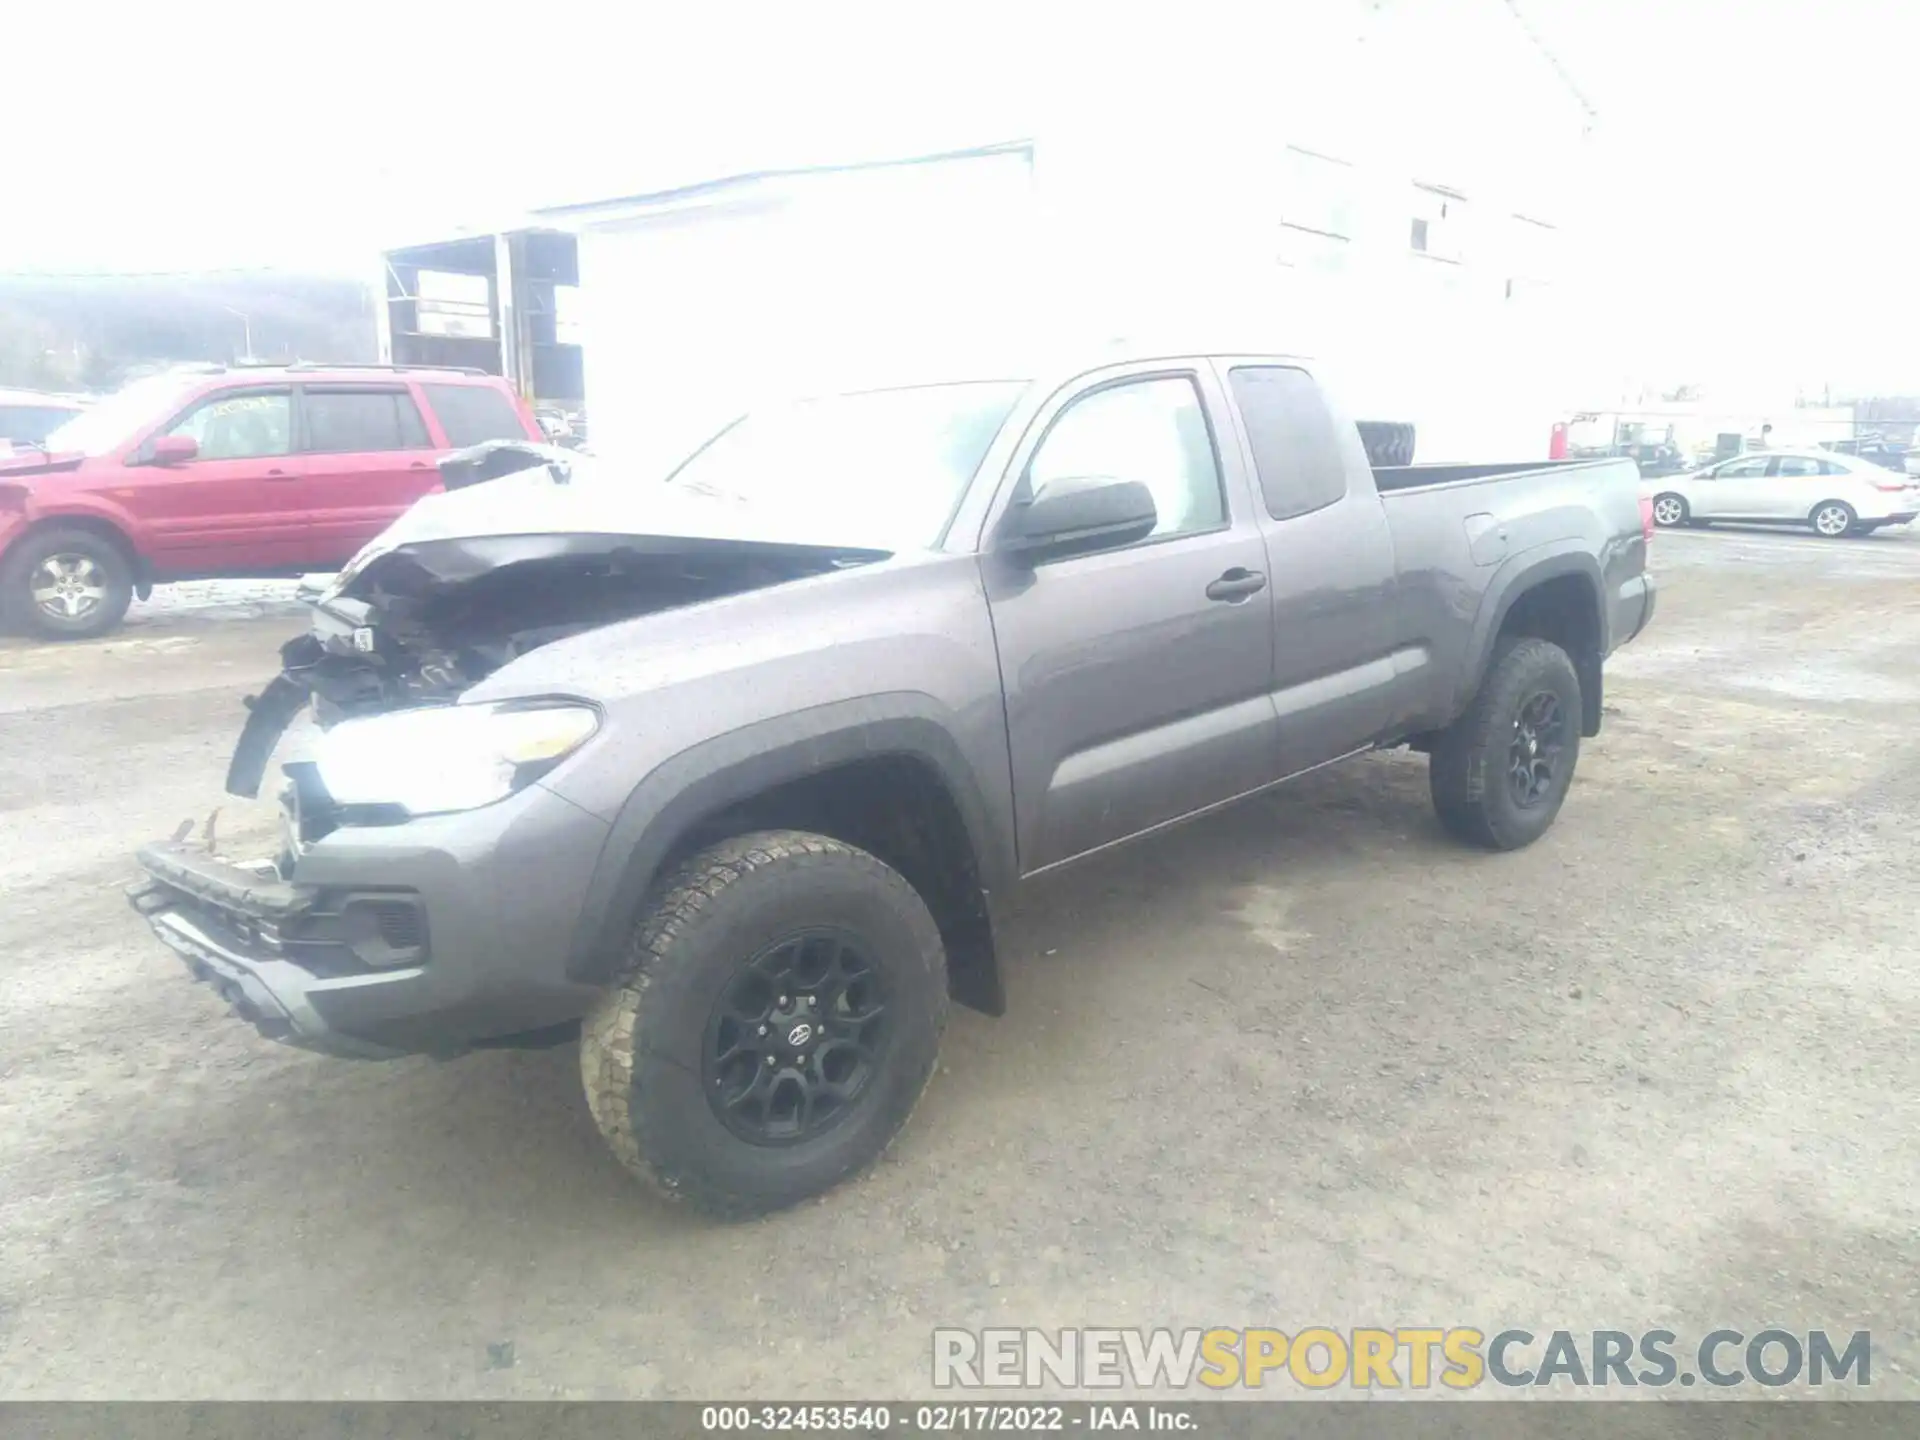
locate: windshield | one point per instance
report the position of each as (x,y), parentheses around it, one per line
(121,415)
(887,465)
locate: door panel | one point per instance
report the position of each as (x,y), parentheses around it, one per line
(352,498)
(1796,485)
(1344,673)
(235,506)
(1738,490)
(367,458)
(1342,676)
(1133,697)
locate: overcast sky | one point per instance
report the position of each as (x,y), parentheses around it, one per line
(1756,158)
(1761,158)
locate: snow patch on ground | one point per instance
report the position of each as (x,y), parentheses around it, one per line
(217,599)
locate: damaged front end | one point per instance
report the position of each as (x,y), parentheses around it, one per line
(331,946)
(435,606)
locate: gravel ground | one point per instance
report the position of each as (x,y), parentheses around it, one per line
(1303,1063)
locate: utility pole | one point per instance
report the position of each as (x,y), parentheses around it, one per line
(246,330)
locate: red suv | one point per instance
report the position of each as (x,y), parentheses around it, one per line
(212,471)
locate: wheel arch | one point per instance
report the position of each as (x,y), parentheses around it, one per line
(90,522)
(852,771)
(95,522)
(1553,595)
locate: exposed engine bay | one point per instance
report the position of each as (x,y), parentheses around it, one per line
(420,621)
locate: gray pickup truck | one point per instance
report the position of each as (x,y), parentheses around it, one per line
(729,775)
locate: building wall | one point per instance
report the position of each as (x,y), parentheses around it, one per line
(1256,188)
(691,312)
(1284,205)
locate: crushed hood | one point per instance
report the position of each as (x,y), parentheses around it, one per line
(553,510)
(468,581)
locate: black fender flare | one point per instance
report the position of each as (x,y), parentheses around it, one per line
(678,794)
(1519,574)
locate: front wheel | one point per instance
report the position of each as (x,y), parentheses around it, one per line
(779,1018)
(66,584)
(1833,519)
(1500,772)
(1670,510)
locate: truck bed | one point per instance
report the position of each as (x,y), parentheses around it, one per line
(1457,528)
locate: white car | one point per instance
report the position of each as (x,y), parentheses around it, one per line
(1832,494)
(27,417)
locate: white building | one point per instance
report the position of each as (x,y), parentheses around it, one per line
(1389,185)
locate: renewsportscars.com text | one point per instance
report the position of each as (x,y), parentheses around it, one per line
(1403,1357)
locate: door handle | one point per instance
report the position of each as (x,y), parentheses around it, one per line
(1237,584)
(419,465)
(281,475)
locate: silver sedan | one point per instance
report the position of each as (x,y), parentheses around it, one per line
(1831,494)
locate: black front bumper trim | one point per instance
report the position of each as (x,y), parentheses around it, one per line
(223,921)
(218,882)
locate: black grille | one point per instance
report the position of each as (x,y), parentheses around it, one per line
(346,934)
(401,925)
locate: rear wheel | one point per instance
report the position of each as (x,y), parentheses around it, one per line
(1833,518)
(1500,772)
(779,1019)
(66,584)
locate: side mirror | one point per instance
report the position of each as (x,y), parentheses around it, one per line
(1078,515)
(173,449)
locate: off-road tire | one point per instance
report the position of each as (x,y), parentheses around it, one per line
(641,1046)
(1467,769)
(17,606)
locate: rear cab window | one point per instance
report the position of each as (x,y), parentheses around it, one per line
(473,414)
(1295,439)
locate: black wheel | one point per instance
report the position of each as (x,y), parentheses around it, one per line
(1500,772)
(1832,519)
(779,1019)
(1670,510)
(66,584)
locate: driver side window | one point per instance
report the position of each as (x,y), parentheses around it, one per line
(240,427)
(1153,431)
(1743,469)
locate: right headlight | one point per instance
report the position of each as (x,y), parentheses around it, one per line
(448,758)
